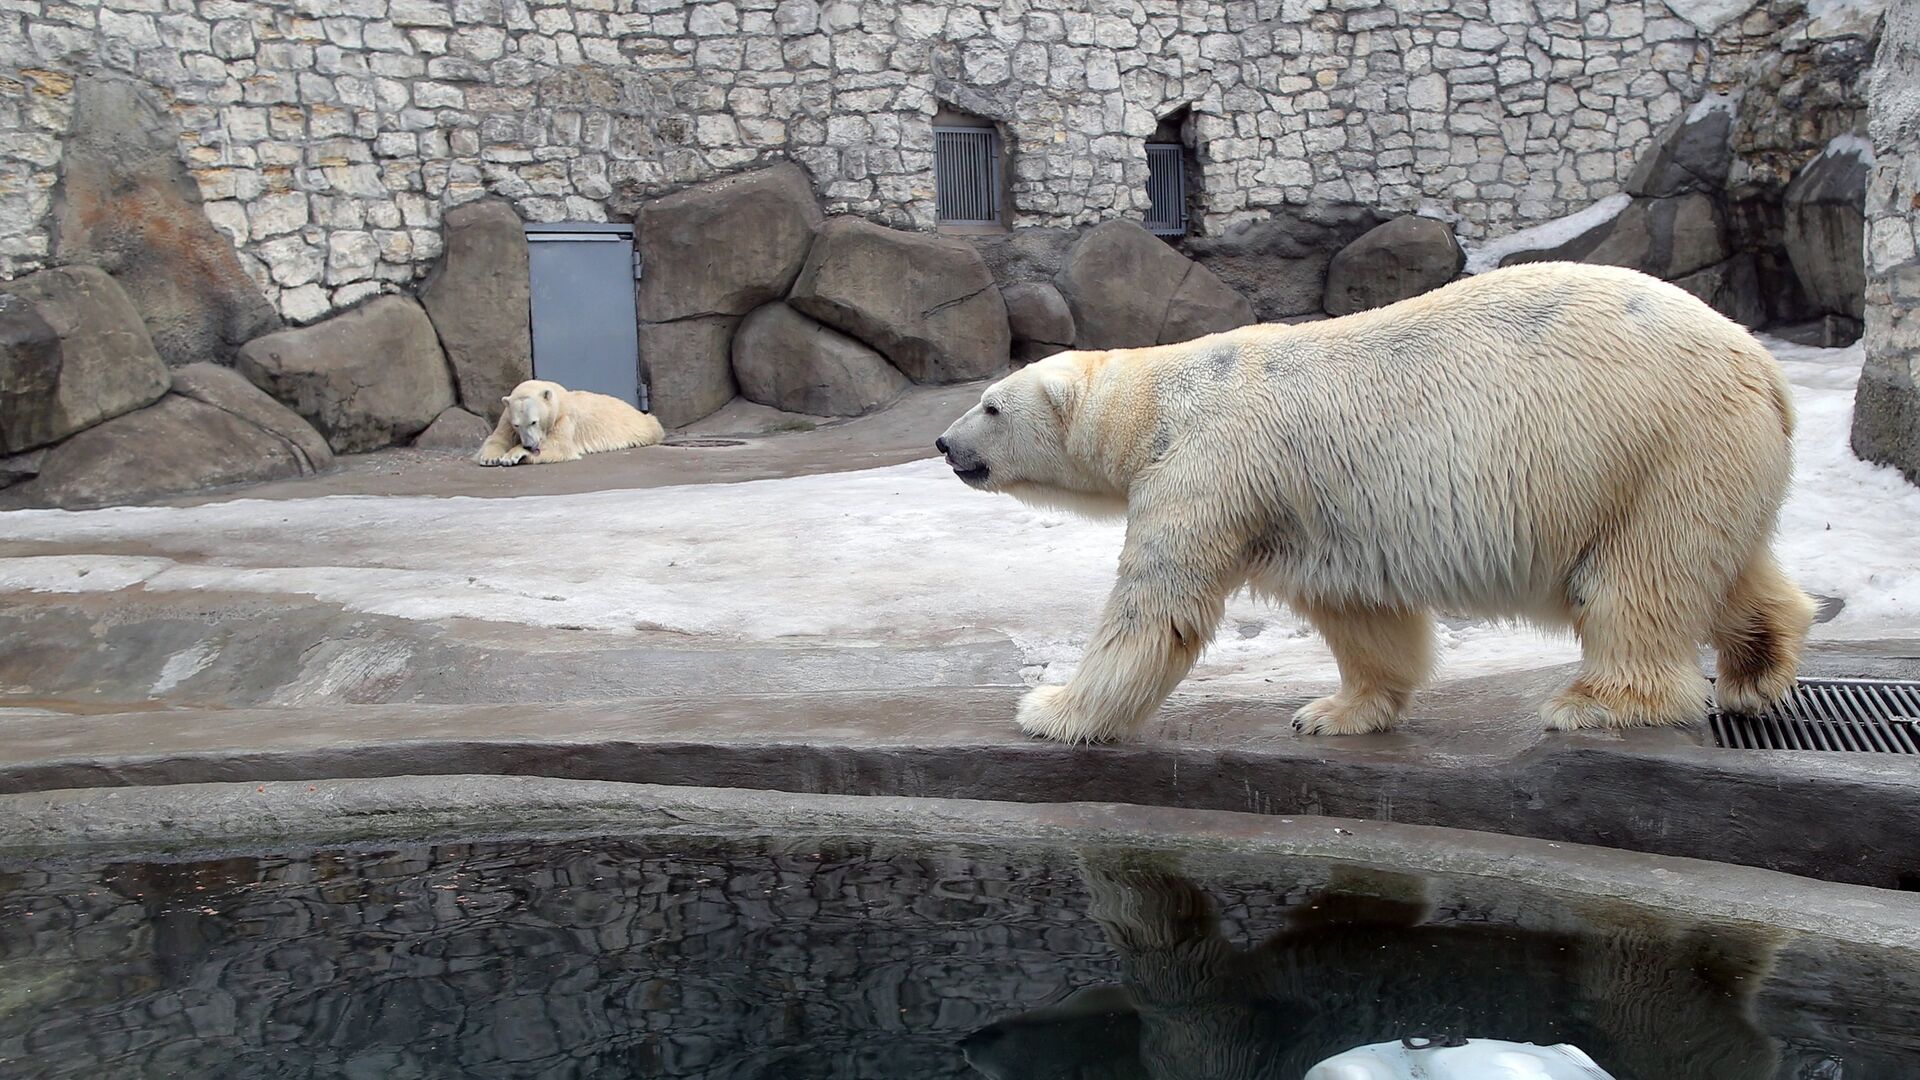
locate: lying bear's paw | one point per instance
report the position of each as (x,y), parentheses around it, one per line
(515,456)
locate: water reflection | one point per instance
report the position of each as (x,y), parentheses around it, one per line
(1357,964)
(706,957)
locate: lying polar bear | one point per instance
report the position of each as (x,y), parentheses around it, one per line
(1580,446)
(545,423)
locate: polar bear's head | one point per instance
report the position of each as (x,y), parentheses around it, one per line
(534,407)
(1027,438)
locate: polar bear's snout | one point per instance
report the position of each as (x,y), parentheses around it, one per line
(965,464)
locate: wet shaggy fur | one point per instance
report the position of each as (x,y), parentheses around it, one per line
(545,423)
(1578,446)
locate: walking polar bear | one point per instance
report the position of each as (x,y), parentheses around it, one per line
(1579,446)
(546,423)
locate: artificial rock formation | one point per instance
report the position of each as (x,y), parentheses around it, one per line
(1039,319)
(128,205)
(1127,288)
(783,359)
(367,378)
(73,352)
(1402,258)
(478,299)
(927,303)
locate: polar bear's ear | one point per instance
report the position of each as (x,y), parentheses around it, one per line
(1058,389)
(507,400)
(548,394)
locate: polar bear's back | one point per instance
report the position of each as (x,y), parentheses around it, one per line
(1465,447)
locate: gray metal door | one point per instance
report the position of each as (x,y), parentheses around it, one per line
(585,336)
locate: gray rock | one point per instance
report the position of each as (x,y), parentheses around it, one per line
(1886,407)
(783,359)
(1693,153)
(455,430)
(478,298)
(1402,258)
(1668,238)
(725,247)
(127,204)
(1039,319)
(690,367)
(1280,265)
(1023,255)
(367,378)
(926,303)
(19,468)
(1126,289)
(173,447)
(228,390)
(1731,288)
(73,352)
(1825,230)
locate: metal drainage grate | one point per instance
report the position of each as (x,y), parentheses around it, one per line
(676,444)
(1871,716)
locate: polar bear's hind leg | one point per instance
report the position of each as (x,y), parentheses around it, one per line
(1384,655)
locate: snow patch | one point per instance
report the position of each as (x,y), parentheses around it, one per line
(1850,144)
(1486,255)
(1710,104)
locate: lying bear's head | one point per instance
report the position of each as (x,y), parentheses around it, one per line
(534,406)
(1026,439)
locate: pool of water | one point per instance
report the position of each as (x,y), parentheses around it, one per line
(812,957)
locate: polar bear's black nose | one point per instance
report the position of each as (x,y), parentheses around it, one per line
(940,444)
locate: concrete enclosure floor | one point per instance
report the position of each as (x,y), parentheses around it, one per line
(123,682)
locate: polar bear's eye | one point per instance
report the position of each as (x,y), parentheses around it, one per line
(990,410)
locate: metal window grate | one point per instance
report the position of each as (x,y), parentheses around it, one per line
(1167,189)
(966,175)
(1862,715)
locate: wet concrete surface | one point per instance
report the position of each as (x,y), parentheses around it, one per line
(1472,756)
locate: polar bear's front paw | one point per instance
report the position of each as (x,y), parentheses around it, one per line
(1340,714)
(512,457)
(1044,713)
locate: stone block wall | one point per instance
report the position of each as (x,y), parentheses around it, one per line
(327,137)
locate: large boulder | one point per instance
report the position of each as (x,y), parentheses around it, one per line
(1826,227)
(1280,265)
(1402,258)
(367,378)
(690,367)
(784,359)
(725,247)
(229,391)
(1668,238)
(1731,288)
(1127,288)
(127,204)
(927,303)
(455,430)
(73,352)
(1693,153)
(1039,319)
(479,299)
(179,445)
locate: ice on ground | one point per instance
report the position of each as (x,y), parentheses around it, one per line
(902,555)
(1486,255)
